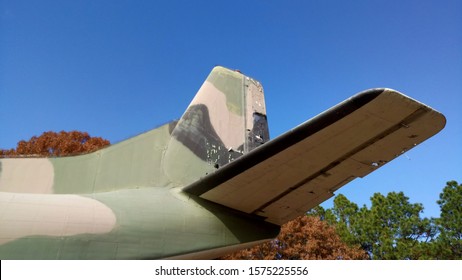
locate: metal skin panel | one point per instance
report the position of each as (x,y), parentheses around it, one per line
(126,201)
(19,175)
(226,119)
(356,144)
(204,185)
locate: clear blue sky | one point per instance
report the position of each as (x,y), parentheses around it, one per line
(119,68)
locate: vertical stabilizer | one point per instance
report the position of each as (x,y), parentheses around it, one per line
(226,119)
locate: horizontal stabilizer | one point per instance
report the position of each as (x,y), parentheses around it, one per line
(298,170)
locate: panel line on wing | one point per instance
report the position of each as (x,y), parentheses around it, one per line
(324,171)
(283,142)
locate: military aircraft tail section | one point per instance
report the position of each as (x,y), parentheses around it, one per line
(303,167)
(205,184)
(126,201)
(226,119)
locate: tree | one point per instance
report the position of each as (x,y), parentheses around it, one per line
(57,144)
(304,238)
(394,229)
(391,229)
(449,242)
(345,216)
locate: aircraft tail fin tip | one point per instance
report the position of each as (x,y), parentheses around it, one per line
(226,119)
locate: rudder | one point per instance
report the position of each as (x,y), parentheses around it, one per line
(226,119)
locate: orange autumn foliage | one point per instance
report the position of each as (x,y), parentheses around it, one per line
(54,144)
(304,238)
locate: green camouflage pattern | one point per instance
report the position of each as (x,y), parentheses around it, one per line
(126,201)
(207,184)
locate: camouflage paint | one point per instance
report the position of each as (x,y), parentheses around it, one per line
(126,201)
(298,170)
(202,140)
(205,184)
